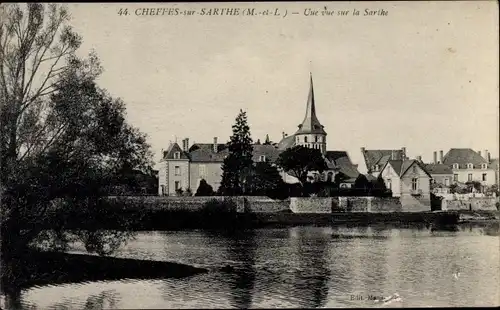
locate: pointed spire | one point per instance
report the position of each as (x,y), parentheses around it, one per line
(311,124)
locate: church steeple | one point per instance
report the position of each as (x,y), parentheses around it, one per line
(311,124)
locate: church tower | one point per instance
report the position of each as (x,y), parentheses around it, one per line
(311,133)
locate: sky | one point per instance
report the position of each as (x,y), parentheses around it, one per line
(424,77)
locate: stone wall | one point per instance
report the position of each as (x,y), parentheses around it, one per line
(311,204)
(194,203)
(370,204)
(265,204)
(388,204)
(411,203)
(487,203)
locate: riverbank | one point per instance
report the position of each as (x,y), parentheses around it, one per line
(214,214)
(39,268)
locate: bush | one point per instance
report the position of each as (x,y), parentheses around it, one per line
(204,189)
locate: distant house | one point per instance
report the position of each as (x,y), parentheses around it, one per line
(374,160)
(441,174)
(409,180)
(468,166)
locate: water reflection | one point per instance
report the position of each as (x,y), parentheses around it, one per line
(297,267)
(312,275)
(241,248)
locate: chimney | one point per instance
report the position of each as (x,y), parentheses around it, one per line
(487,156)
(479,152)
(283,133)
(441,157)
(393,157)
(215,144)
(419,158)
(187,144)
(363,150)
(435,157)
(403,150)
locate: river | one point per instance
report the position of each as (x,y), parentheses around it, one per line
(298,267)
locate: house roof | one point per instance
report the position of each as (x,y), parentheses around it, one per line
(438,169)
(172,149)
(462,157)
(286,142)
(401,166)
(271,152)
(380,157)
(341,161)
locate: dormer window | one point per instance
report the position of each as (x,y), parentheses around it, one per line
(469,166)
(177,155)
(377,167)
(455,166)
(262,158)
(484,166)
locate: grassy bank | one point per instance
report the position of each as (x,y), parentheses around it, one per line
(41,268)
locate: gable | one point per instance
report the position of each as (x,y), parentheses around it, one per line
(410,171)
(172,150)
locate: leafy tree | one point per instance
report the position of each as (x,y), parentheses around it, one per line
(300,160)
(62,138)
(474,185)
(362,182)
(339,178)
(265,179)
(379,184)
(204,189)
(237,165)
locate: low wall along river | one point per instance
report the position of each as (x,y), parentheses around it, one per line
(261,204)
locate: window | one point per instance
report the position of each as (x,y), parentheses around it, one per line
(455,177)
(484,166)
(305,139)
(177,170)
(324,139)
(484,176)
(177,185)
(163,190)
(469,177)
(446,182)
(177,155)
(455,166)
(262,158)
(389,184)
(315,138)
(202,171)
(414,184)
(376,167)
(414,169)
(298,140)
(469,166)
